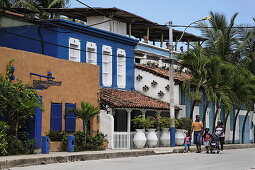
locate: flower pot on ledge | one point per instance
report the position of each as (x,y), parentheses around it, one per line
(179,137)
(139,138)
(56,146)
(152,138)
(165,137)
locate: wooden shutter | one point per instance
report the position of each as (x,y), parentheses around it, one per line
(56,117)
(70,122)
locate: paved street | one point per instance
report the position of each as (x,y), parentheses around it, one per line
(240,159)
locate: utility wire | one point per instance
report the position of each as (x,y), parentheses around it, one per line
(54,44)
(213,27)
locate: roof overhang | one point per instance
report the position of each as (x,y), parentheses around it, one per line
(139,25)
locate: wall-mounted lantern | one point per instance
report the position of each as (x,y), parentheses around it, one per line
(145,88)
(154,83)
(49,74)
(161,94)
(139,77)
(12,77)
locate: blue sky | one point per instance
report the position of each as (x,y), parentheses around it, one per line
(180,12)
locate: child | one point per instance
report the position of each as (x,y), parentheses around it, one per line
(207,137)
(187,142)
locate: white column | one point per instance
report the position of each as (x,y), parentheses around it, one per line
(128,126)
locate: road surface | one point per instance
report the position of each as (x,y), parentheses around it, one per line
(239,159)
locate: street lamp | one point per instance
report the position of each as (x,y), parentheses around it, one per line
(171,77)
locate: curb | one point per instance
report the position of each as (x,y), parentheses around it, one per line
(80,157)
(226,147)
(95,156)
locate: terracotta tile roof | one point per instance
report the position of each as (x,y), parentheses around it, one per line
(163,73)
(131,99)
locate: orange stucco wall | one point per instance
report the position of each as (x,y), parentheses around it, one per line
(80,81)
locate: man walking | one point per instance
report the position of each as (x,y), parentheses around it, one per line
(197,127)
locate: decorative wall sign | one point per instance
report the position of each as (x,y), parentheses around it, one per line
(154,83)
(139,77)
(161,94)
(167,87)
(39,84)
(145,88)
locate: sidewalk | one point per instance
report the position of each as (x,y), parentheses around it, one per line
(60,157)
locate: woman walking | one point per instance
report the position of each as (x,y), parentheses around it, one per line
(219,131)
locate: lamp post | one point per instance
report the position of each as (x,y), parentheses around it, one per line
(171,77)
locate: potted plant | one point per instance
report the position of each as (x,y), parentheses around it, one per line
(152,139)
(182,125)
(56,141)
(140,123)
(164,123)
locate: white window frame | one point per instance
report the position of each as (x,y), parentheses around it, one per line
(76,42)
(90,46)
(121,68)
(107,66)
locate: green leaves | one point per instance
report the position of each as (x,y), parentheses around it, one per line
(140,122)
(222,37)
(17,101)
(86,112)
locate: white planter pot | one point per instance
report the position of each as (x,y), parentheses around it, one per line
(165,137)
(179,136)
(139,138)
(152,138)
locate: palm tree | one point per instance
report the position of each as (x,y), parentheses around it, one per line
(35,5)
(221,35)
(244,88)
(247,37)
(86,112)
(219,82)
(195,61)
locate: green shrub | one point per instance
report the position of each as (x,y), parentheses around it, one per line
(92,142)
(164,122)
(20,145)
(183,123)
(140,122)
(3,138)
(56,136)
(153,122)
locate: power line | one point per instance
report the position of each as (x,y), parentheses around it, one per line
(184,26)
(54,44)
(91,8)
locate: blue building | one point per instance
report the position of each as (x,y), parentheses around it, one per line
(80,43)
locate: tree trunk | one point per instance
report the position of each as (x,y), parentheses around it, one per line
(204,115)
(234,128)
(16,128)
(192,109)
(215,117)
(225,123)
(247,113)
(85,131)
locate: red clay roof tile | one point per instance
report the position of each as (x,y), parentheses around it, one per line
(131,99)
(163,73)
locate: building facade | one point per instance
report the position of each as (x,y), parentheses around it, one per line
(79,82)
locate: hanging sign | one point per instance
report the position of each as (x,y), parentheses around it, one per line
(39,84)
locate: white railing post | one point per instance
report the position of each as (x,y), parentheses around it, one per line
(128,127)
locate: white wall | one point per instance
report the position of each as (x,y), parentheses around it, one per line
(106,126)
(162,82)
(153,91)
(111,26)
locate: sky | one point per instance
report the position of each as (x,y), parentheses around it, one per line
(179,12)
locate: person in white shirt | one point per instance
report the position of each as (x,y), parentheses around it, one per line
(219,131)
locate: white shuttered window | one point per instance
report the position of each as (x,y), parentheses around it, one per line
(74,49)
(107,66)
(121,68)
(91,53)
